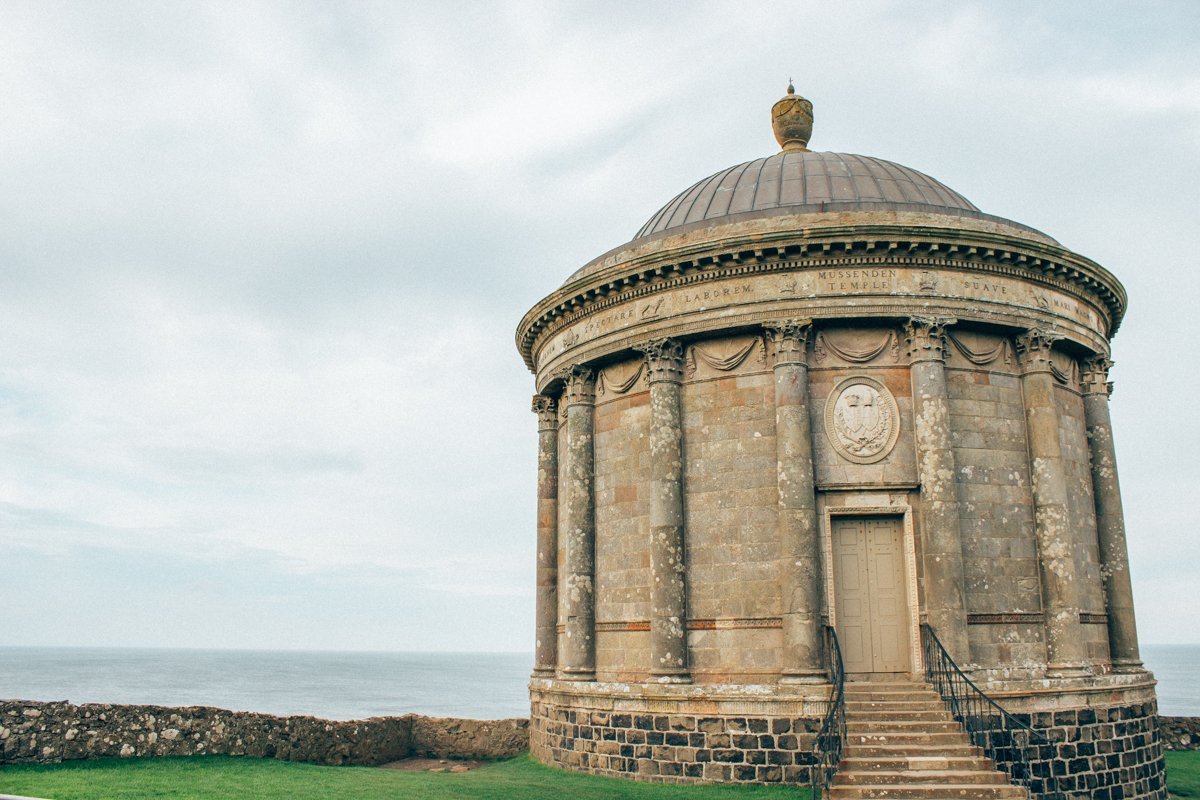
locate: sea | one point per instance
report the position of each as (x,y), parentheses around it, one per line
(331,685)
(358,685)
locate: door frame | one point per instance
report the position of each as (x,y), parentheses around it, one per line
(904,512)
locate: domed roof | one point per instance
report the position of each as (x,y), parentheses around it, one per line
(798,181)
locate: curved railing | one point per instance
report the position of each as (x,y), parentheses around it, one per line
(831,737)
(1025,754)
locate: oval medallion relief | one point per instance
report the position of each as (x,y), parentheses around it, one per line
(862,420)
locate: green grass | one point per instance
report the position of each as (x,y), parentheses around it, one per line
(213,777)
(1183,773)
(222,777)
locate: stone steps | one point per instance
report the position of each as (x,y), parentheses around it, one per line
(932,791)
(902,743)
(916,736)
(903,751)
(913,715)
(871,725)
(923,776)
(916,763)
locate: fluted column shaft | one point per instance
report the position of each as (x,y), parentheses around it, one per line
(1110,517)
(668,571)
(578,660)
(545,655)
(799,535)
(1065,653)
(941,528)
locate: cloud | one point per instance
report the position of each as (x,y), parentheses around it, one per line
(261,267)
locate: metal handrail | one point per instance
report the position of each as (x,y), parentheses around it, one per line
(1006,740)
(831,737)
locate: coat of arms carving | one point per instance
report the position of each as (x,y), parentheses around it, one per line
(862,420)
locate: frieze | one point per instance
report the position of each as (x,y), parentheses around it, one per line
(607,382)
(823,345)
(1007,618)
(982,358)
(616,317)
(934,267)
(695,624)
(726,363)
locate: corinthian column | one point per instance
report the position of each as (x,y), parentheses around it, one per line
(1065,653)
(799,538)
(941,528)
(668,573)
(1110,518)
(545,657)
(578,660)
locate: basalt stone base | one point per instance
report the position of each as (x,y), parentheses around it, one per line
(677,734)
(1105,734)
(1112,753)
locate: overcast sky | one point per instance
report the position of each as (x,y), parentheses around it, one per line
(260,267)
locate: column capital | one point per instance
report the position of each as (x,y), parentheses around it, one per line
(1095,375)
(580,383)
(1033,349)
(925,338)
(546,407)
(787,341)
(664,360)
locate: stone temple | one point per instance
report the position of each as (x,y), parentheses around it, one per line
(820,389)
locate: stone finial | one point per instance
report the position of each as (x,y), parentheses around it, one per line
(579,385)
(546,408)
(792,121)
(926,338)
(664,360)
(1033,349)
(787,340)
(1095,375)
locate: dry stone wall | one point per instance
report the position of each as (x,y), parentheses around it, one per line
(51,732)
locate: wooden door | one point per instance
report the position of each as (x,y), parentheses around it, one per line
(870,594)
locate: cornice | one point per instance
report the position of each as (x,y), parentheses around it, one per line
(827,247)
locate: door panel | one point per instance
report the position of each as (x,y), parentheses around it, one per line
(852,598)
(870,593)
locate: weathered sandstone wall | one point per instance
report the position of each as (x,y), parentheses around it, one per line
(51,732)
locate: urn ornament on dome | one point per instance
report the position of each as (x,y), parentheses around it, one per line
(792,120)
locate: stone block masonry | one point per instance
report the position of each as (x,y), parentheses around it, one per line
(675,748)
(1105,753)
(34,732)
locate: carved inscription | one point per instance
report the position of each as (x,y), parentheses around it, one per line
(818,287)
(857,280)
(971,286)
(720,293)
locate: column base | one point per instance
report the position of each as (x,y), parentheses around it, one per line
(1128,665)
(679,676)
(1067,671)
(804,678)
(545,672)
(570,674)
